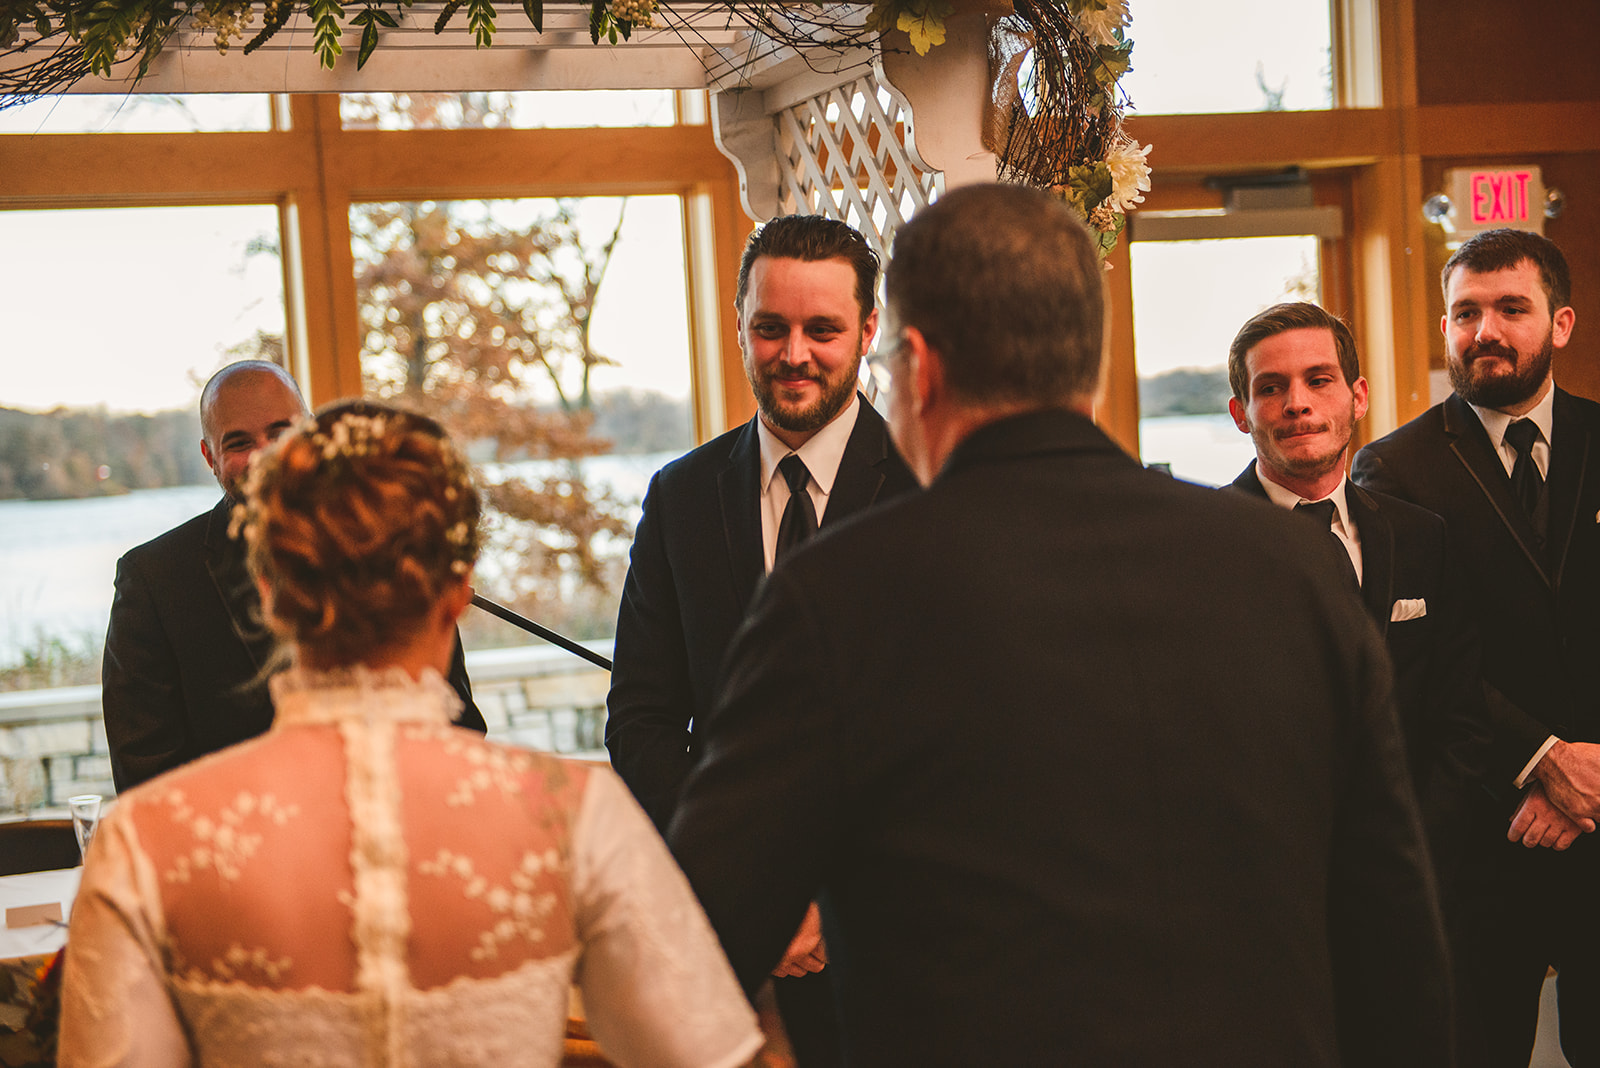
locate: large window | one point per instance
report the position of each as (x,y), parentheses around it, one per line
(553,337)
(99,431)
(1249,55)
(508,111)
(193,113)
(117,315)
(1189,299)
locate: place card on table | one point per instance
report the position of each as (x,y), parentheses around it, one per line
(34,915)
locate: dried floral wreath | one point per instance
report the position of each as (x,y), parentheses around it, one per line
(1055,108)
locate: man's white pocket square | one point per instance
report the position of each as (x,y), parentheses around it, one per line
(1407,608)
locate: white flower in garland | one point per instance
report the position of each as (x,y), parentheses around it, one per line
(641,13)
(228,21)
(1103,24)
(1130,173)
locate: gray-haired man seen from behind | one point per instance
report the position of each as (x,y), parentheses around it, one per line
(1085,765)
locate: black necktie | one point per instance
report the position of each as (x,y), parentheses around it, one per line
(1526,482)
(799,515)
(1321,513)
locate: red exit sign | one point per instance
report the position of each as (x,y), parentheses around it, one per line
(1482,198)
(1499,196)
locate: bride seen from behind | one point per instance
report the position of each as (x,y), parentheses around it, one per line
(366,884)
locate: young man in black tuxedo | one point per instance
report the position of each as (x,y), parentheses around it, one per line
(1298,392)
(1512,464)
(716,520)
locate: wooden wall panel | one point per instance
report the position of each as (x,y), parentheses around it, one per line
(1117,410)
(1576,231)
(1491,51)
(1503,84)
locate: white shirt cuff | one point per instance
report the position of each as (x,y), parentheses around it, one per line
(1522,779)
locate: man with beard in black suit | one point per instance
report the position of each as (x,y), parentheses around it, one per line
(1511,463)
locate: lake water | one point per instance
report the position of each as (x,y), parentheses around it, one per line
(58,559)
(1207,449)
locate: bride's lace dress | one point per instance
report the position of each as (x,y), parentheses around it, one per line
(366,885)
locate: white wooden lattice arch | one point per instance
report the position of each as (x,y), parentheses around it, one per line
(870,144)
(841,154)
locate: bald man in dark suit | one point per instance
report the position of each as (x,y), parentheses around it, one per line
(187,655)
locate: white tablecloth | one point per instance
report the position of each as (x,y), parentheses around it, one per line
(36,888)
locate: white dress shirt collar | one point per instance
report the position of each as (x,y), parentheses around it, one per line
(1544,417)
(1343,527)
(821,454)
(1288,498)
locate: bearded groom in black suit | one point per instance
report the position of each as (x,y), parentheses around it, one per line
(1001,726)
(716,519)
(1298,392)
(184,672)
(1512,464)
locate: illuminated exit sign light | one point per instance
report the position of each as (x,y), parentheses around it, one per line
(1485,198)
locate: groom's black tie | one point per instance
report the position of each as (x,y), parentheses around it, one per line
(799,520)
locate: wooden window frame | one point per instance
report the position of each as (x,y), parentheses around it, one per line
(313,170)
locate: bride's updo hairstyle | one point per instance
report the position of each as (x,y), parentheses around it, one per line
(358,520)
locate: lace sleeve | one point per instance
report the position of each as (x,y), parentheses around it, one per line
(115,1009)
(656,987)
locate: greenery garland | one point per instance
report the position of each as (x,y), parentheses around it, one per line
(90,36)
(1055,109)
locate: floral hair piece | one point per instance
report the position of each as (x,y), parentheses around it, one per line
(460,536)
(340,447)
(352,435)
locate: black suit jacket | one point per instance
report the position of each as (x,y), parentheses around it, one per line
(1537,606)
(1009,729)
(1405,558)
(695,565)
(185,648)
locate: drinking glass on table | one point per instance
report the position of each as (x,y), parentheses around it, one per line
(85,810)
